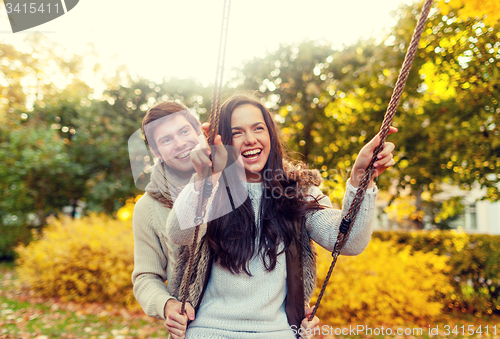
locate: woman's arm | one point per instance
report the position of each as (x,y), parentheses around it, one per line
(180,221)
(323,225)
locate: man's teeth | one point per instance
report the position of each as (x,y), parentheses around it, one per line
(252,152)
(184,155)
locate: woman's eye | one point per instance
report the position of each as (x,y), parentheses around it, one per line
(184,132)
(260,128)
(165,141)
(236,133)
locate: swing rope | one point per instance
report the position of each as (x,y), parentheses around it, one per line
(213,131)
(216,98)
(350,217)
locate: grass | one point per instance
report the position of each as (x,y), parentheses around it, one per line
(24,315)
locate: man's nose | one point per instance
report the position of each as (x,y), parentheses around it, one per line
(179,142)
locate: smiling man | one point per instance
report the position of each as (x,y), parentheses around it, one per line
(171,131)
(172,136)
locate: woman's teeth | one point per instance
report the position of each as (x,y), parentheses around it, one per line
(252,154)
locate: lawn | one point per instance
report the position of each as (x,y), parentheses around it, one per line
(24,315)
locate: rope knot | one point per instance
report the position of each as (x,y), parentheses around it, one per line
(345,225)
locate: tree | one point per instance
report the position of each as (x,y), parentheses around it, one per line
(59,145)
(111,122)
(96,133)
(333,101)
(329,102)
(33,161)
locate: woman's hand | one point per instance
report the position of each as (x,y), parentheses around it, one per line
(384,161)
(175,321)
(200,157)
(307,327)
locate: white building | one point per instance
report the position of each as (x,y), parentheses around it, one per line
(482,216)
(479,216)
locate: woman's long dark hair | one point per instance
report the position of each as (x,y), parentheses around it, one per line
(233,237)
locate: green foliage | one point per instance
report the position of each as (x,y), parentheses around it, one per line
(34,168)
(102,134)
(58,144)
(12,235)
(474,261)
(450,210)
(458,113)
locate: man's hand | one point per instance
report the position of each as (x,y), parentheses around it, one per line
(308,326)
(175,321)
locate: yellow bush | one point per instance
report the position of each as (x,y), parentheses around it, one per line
(383,285)
(125,212)
(84,260)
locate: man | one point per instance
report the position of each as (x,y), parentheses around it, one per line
(171,132)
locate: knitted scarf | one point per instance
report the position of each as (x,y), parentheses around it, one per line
(165,183)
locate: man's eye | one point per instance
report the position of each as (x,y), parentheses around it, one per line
(165,141)
(184,132)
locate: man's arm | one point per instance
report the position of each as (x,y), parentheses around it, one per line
(150,261)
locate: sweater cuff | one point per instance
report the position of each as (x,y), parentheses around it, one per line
(350,188)
(186,205)
(160,305)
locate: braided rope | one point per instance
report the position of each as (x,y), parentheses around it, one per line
(350,217)
(202,203)
(217,94)
(187,276)
(213,131)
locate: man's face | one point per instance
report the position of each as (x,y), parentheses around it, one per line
(175,137)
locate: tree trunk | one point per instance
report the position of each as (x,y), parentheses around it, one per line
(418,204)
(74,204)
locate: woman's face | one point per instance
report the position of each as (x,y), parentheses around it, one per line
(251,136)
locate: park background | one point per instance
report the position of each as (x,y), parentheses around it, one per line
(68,108)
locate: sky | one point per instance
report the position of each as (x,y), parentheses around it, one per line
(163,38)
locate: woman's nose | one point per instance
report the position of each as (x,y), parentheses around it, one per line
(250,139)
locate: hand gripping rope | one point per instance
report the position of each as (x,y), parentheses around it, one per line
(350,217)
(214,126)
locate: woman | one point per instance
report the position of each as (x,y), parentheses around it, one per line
(254,286)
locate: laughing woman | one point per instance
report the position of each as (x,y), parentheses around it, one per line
(256,264)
